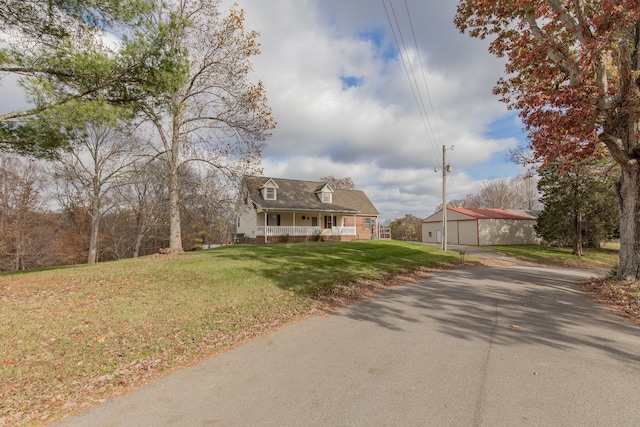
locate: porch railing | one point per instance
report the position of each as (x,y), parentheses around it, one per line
(272,230)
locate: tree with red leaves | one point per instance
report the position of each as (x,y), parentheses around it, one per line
(573,73)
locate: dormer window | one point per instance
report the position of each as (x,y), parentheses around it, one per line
(270,190)
(270,193)
(324,193)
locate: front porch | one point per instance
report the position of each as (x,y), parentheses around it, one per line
(302,227)
(293,231)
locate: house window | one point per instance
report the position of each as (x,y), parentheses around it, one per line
(273,219)
(270,193)
(367,223)
(326,197)
(314,221)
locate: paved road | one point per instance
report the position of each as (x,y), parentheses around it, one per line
(488,346)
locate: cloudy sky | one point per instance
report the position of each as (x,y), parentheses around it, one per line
(343,99)
(350,103)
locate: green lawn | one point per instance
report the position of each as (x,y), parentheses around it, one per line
(74,335)
(606,258)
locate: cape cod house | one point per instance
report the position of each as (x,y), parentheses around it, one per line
(271,210)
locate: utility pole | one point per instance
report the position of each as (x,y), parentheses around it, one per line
(446,168)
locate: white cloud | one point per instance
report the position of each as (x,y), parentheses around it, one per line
(372,131)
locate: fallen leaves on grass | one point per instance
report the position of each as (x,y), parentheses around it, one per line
(620,296)
(343,295)
(27,402)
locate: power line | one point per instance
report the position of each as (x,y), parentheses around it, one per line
(424,76)
(411,77)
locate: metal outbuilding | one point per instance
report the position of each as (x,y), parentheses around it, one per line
(478,227)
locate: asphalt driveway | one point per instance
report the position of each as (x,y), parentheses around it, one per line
(486,346)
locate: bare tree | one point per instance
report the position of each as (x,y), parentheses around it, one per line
(20,201)
(520,192)
(218,116)
(498,194)
(141,201)
(99,161)
(339,183)
(209,212)
(526,186)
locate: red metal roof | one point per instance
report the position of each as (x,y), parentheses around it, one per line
(481,213)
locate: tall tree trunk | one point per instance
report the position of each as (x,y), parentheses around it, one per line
(93,239)
(577,233)
(138,241)
(94,214)
(175,233)
(629,201)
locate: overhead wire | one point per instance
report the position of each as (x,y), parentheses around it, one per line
(424,76)
(411,77)
(421,106)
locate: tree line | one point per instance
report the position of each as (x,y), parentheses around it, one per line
(47,220)
(144,117)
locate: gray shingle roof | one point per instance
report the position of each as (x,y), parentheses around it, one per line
(295,195)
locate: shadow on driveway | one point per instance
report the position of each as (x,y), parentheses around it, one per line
(506,306)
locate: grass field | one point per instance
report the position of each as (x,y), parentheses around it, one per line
(73,336)
(603,258)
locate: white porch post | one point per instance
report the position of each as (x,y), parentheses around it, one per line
(265,227)
(355,226)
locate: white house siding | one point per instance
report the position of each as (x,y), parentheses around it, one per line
(247,222)
(507,232)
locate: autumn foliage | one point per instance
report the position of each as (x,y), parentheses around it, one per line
(572,72)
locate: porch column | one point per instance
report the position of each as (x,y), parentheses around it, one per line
(265,227)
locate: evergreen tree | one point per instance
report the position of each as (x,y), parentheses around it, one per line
(72,57)
(579,206)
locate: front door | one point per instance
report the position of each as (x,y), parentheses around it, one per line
(329,221)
